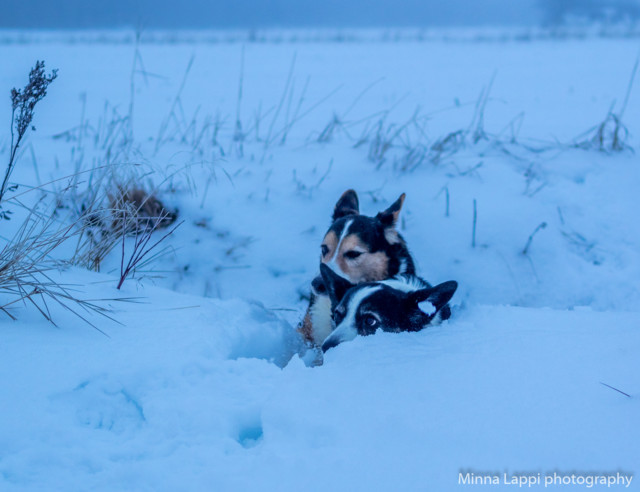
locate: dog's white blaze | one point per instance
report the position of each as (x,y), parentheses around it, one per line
(333,264)
(321,319)
(345,231)
(347,329)
(404,284)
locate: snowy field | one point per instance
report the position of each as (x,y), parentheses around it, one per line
(198,380)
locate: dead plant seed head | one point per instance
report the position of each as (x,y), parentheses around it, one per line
(23,103)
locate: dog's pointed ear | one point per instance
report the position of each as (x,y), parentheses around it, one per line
(432,299)
(347,205)
(336,286)
(389,217)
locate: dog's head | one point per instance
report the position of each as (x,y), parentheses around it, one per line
(404,303)
(362,248)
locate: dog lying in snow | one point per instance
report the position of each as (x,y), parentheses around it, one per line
(363,249)
(403,303)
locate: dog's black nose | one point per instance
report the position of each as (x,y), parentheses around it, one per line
(318,285)
(329,344)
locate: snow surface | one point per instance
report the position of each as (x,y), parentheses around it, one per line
(200,385)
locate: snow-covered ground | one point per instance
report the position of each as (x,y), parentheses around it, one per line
(199,385)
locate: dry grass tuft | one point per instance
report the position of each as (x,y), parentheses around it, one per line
(136,209)
(27,265)
(611,134)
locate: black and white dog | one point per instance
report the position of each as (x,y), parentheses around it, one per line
(362,249)
(403,303)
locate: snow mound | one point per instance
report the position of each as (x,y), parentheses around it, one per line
(186,398)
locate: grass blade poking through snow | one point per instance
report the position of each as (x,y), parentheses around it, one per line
(141,246)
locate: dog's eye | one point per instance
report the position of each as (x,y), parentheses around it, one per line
(324,249)
(339,314)
(370,321)
(352,255)
(369,324)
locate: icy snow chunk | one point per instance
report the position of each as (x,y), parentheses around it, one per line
(263,335)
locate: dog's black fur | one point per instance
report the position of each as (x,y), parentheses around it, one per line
(404,303)
(362,249)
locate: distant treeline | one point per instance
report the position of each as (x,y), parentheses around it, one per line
(184,14)
(557,12)
(262,13)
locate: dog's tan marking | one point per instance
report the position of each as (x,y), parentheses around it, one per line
(391,235)
(396,213)
(349,243)
(374,267)
(367,267)
(352,241)
(317,324)
(306,327)
(331,242)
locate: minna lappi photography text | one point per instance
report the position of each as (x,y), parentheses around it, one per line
(555,478)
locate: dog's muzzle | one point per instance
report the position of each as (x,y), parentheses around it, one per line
(317,284)
(343,333)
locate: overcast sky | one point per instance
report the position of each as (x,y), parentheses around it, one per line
(263,13)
